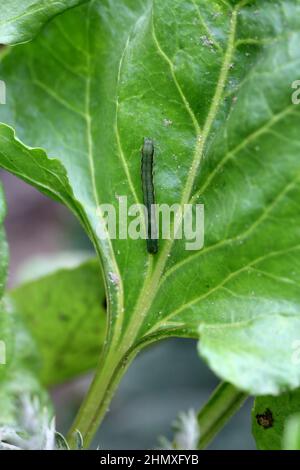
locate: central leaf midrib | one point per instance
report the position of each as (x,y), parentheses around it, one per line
(151,283)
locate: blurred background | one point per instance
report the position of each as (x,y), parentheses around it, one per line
(164,380)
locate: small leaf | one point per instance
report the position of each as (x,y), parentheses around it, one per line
(65,314)
(250,354)
(61,443)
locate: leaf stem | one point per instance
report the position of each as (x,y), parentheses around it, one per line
(224,402)
(109,372)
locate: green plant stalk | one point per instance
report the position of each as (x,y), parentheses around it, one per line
(224,402)
(111,368)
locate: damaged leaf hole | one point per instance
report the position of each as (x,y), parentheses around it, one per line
(266,419)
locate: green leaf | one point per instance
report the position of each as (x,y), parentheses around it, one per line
(210,82)
(275,421)
(65,314)
(20,20)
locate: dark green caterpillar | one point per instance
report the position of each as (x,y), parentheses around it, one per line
(148,193)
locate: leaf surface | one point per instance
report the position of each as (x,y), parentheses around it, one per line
(65,314)
(18,376)
(273,434)
(210,82)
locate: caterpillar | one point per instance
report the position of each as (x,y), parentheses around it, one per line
(148,194)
